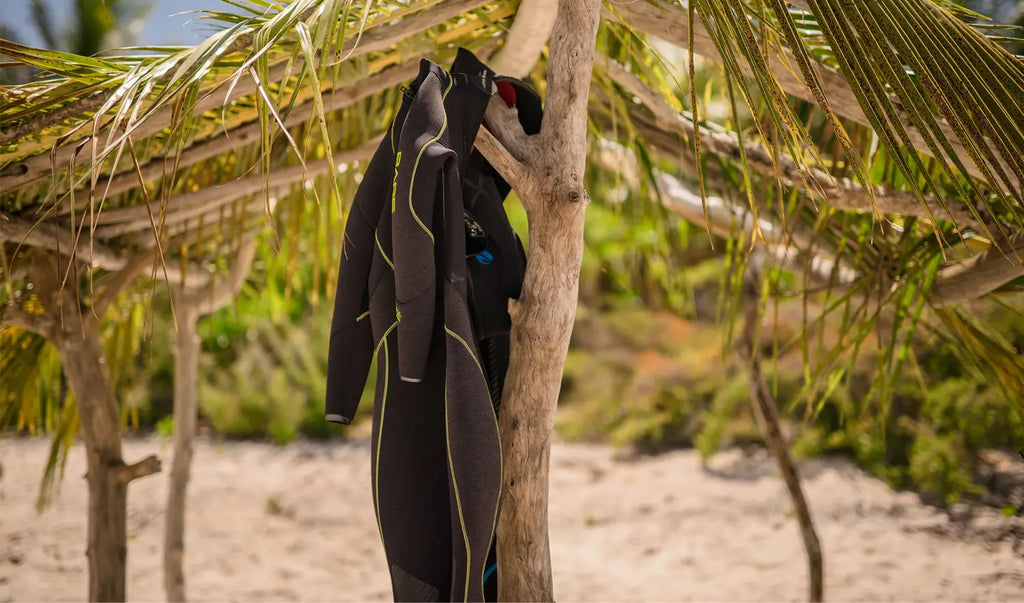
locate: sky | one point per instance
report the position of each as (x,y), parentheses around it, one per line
(163,25)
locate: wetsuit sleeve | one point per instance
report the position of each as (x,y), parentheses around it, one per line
(350,352)
(351,345)
(418,168)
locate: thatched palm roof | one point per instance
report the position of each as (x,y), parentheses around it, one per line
(921,129)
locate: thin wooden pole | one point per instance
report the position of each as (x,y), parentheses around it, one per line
(767,416)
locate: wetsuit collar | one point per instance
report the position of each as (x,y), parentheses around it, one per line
(476,72)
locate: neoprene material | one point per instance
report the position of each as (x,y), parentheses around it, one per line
(429,262)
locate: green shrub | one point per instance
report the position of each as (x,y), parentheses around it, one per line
(939,464)
(625,383)
(276,385)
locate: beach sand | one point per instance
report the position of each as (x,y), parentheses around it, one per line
(296,523)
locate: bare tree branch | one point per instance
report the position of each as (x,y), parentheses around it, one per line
(979,275)
(499,157)
(767,416)
(117,222)
(503,142)
(840,193)
(40,324)
(503,122)
(251,215)
(960,282)
(542,318)
(47,236)
(567,137)
(957,283)
(727,219)
(526,38)
(110,286)
(147,466)
(226,288)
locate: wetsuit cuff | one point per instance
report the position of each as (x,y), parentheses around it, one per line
(331,418)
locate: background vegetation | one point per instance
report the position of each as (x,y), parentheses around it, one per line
(648,368)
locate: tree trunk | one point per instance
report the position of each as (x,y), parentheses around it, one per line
(75,333)
(526,38)
(768,420)
(543,319)
(553,195)
(191,303)
(82,359)
(186,386)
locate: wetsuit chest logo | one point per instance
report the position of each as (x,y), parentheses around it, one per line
(394,181)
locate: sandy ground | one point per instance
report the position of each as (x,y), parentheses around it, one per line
(296,523)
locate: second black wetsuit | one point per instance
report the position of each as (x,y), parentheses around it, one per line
(412,264)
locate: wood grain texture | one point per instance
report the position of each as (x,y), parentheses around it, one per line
(542,318)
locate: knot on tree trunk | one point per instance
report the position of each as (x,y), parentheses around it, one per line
(568,189)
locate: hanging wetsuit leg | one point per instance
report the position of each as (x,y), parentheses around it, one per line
(409,469)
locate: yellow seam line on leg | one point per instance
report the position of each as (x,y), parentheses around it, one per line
(380,428)
(458,499)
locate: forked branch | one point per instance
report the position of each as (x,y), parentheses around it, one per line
(504,143)
(147,466)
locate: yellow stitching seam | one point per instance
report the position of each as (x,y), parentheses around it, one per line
(455,485)
(501,461)
(386,258)
(380,428)
(466,345)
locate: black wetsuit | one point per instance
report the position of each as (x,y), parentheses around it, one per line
(429,262)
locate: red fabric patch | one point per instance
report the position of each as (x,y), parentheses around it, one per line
(507,92)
